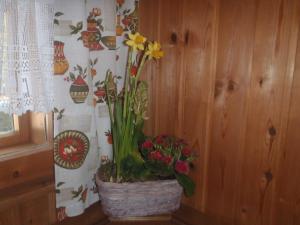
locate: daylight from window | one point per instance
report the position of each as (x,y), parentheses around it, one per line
(6,121)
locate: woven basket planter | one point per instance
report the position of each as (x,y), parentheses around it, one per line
(140,198)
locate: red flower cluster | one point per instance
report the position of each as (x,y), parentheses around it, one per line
(167,159)
(147,144)
(186,152)
(182,167)
(170,151)
(155,155)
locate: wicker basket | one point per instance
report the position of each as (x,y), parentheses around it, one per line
(139,198)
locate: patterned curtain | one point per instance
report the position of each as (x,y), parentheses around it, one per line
(88,44)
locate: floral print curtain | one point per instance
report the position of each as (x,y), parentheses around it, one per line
(89,38)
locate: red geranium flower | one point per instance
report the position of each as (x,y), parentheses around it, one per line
(167,159)
(147,144)
(182,167)
(159,139)
(156,155)
(186,152)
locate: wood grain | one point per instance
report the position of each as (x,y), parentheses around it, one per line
(229,84)
(28,168)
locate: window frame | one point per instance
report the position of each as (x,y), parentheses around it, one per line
(30,128)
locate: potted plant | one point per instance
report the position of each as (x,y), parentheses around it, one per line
(146,175)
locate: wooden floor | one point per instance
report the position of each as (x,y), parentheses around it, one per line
(184,216)
(142,223)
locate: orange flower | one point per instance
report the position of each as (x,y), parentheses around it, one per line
(120,2)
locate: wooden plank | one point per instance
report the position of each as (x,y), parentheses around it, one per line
(27,168)
(234,56)
(10,216)
(92,216)
(189,216)
(286,208)
(149,26)
(166,79)
(34,211)
(196,85)
(265,103)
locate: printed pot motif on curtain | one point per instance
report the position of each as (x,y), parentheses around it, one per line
(70,149)
(79,89)
(61,64)
(92,38)
(86,46)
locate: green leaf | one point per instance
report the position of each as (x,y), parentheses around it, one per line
(187,184)
(72,27)
(95,61)
(99,22)
(79,25)
(55,110)
(97,83)
(72,76)
(60,184)
(56,22)
(79,68)
(133,169)
(58,14)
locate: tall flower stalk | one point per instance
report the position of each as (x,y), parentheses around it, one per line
(128,108)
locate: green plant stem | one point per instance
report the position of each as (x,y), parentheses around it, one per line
(114,147)
(128,66)
(138,74)
(130,120)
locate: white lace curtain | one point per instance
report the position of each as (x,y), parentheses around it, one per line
(26,55)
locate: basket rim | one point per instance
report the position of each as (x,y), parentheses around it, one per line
(99,181)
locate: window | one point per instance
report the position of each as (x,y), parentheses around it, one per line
(19,59)
(30,128)
(7,124)
(14,130)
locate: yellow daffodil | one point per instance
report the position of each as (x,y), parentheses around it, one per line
(136,41)
(154,51)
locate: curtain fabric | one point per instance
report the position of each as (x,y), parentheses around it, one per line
(88,44)
(26,55)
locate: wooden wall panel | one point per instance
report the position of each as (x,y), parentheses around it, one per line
(265,101)
(235,101)
(167,77)
(196,84)
(234,55)
(150,10)
(287,190)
